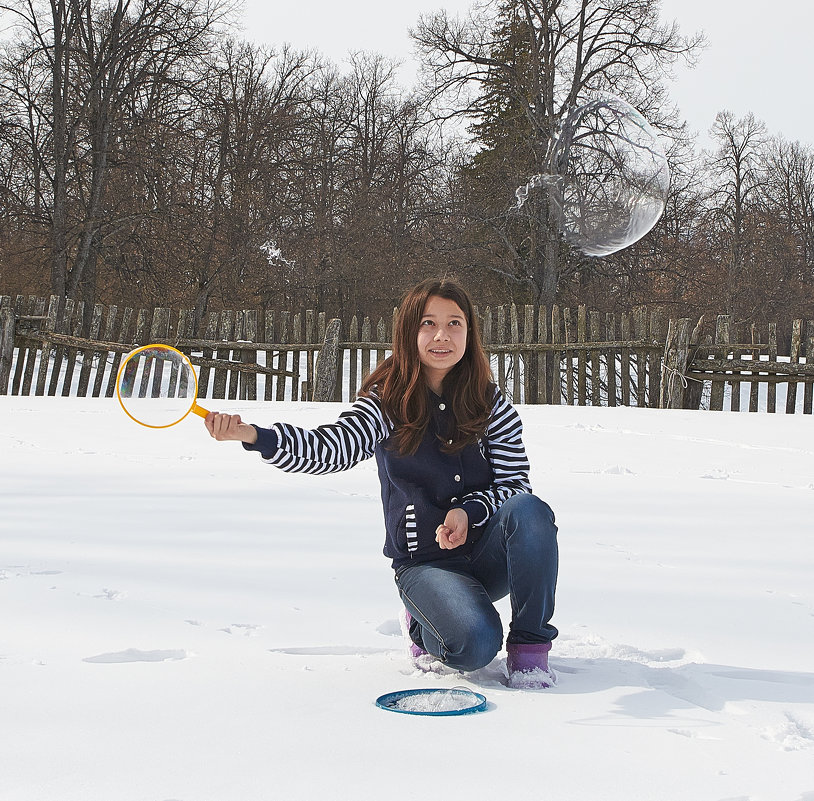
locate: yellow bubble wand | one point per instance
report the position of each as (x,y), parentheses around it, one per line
(157,386)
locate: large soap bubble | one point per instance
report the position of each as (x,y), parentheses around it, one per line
(608,177)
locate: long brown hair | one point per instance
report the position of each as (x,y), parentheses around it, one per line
(402,389)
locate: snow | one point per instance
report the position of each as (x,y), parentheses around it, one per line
(183,622)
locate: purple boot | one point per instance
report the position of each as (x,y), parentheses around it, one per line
(422,660)
(528,666)
(416,651)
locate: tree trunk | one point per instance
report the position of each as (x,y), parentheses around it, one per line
(58,235)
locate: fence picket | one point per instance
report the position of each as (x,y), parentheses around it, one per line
(624,360)
(753,389)
(794,358)
(353,336)
(514,334)
(248,381)
(233,374)
(17,378)
(596,375)
(499,339)
(610,358)
(282,359)
(529,375)
(37,307)
(268,328)
(771,394)
(7,326)
(808,393)
(186,330)
(542,356)
(89,353)
(309,359)
(722,337)
(556,356)
(735,395)
(366,335)
(381,336)
(640,332)
(103,355)
(206,353)
(654,358)
(569,357)
(225,328)
(72,353)
(582,356)
(45,355)
(117,357)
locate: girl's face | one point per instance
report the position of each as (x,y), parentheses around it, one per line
(442,336)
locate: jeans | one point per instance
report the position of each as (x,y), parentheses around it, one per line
(451,600)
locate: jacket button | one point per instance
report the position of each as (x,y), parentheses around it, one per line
(442,406)
(449,442)
(453,500)
(457,478)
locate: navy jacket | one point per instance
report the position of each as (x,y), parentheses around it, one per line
(417,490)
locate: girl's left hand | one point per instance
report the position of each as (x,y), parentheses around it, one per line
(452,532)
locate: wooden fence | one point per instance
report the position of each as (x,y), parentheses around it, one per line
(555,356)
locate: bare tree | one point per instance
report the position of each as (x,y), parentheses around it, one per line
(95,59)
(737,170)
(515,68)
(790,198)
(246,135)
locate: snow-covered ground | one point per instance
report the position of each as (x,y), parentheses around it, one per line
(180,621)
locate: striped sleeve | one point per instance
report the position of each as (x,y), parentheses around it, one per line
(507,456)
(334,447)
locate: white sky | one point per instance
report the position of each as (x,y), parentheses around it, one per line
(753,62)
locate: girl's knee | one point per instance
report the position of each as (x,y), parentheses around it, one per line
(530,507)
(479,644)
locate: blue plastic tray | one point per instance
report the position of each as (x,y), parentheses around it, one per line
(432,702)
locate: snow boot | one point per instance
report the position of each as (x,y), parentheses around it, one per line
(422,660)
(527,664)
(416,651)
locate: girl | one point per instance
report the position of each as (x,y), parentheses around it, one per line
(462,527)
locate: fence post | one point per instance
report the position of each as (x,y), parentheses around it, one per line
(325,380)
(6,346)
(695,390)
(674,365)
(808,392)
(722,337)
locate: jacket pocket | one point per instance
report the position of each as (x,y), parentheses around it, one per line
(410,528)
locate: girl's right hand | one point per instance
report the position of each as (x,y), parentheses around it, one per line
(225,427)
(453,531)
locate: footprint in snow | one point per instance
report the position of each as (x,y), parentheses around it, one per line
(332,650)
(111,595)
(618,470)
(793,735)
(717,475)
(246,629)
(135,655)
(693,735)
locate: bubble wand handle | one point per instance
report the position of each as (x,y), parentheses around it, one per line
(199,410)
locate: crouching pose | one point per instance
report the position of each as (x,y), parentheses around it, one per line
(462,527)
